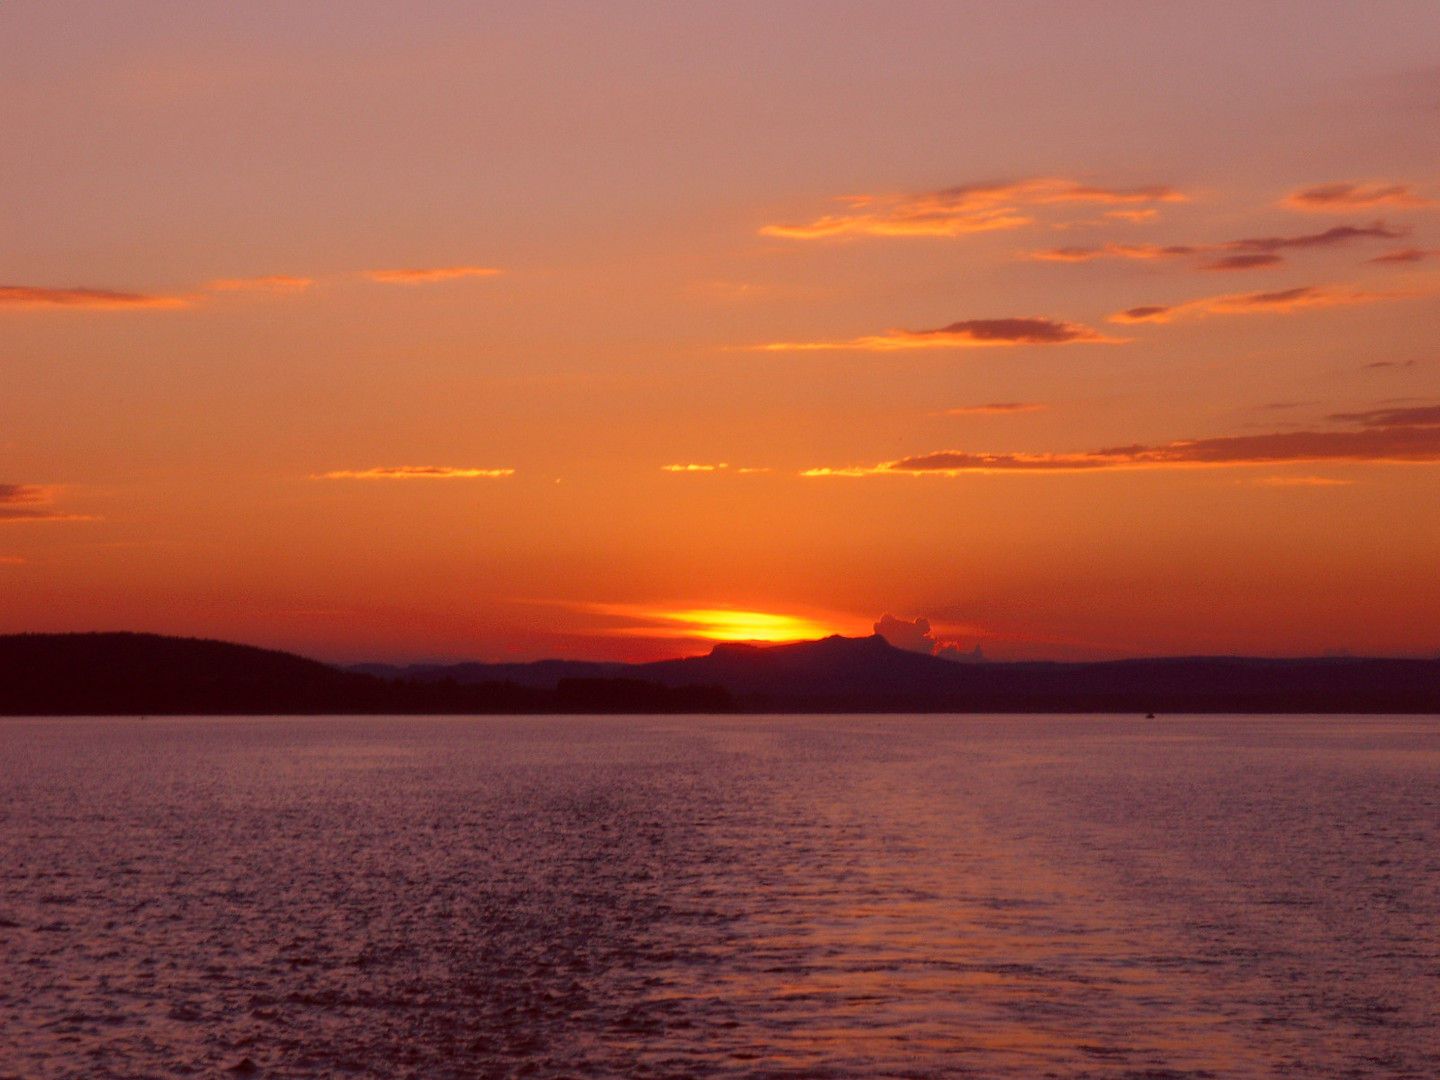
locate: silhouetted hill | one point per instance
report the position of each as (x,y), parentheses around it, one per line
(106,674)
(123,674)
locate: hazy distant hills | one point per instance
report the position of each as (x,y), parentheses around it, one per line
(541,674)
(127,674)
(840,674)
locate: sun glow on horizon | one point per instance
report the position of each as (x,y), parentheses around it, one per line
(718,624)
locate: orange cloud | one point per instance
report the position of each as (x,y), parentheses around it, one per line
(1244,254)
(11,560)
(926,216)
(1404,416)
(1405,255)
(12,514)
(968,334)
(421,275)
(273,283)
(1386,436)
(1301,481)
(1343,197)
(721,467)
(1114,251)
(415,472)
(1133,216)
(973,208)
(1243,262)
(23,493)
(997,407)
(1340,234)
(101,299)
(1283,301)
(29,502)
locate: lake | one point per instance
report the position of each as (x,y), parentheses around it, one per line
(798,896)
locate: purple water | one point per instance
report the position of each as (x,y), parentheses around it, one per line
(720,897)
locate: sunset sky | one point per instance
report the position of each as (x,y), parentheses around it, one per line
(447,329)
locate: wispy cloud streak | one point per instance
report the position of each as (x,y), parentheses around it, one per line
(1386,436)
(1277,302)
(1349,195)
(415,472)
(30,502)
(1114,251)
(959,210)
(1302,481)
(1406,255)
(11,494)
(426,275)
(995,408)
(721,467)
(1244,254)
(970,333)
(33,296)
(1405,416)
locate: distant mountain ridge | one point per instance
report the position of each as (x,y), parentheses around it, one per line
(839,674)
(129,674)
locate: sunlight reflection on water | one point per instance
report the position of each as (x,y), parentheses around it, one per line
(731,897)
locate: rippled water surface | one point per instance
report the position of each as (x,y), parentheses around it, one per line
(720,897)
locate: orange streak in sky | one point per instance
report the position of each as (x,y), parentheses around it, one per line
(420,275)
(414,472)
(101,299)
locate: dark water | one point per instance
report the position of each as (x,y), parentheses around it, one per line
(737,897)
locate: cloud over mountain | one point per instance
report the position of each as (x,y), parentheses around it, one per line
(915,635)
(912,634)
